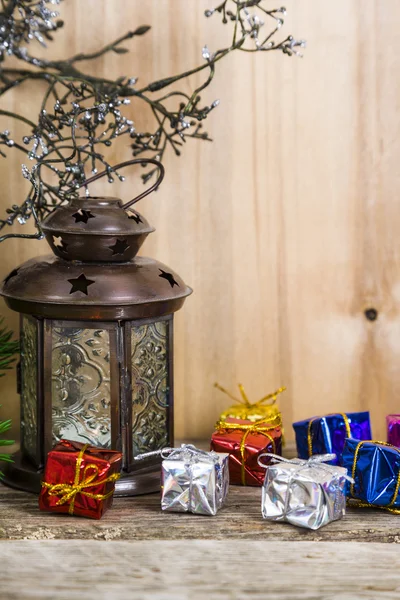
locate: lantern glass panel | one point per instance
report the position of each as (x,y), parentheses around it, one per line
(29,374)
(81,374)
(150,385)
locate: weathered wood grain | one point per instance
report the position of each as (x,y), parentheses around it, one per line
(195,570)
(140,518)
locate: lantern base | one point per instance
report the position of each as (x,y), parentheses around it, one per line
(22,475)
(141,481)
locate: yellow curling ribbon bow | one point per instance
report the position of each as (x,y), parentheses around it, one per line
(362,504)
(68,491)
(260,427)
(309,431)
(247,409)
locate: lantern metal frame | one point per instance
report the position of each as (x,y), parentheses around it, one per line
(20,474)
(126,292)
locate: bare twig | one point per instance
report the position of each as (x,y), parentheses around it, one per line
(81,115)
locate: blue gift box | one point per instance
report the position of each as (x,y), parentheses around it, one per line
(326,434)
(375,468)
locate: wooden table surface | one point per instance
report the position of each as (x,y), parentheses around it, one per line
(136,551)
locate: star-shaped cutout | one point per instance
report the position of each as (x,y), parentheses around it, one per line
(80,284)
(133,215)
(59,243)
(13,273)
(119,247)
(169,277)
(82,216)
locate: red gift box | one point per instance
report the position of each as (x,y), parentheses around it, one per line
(244,441)
(79,479)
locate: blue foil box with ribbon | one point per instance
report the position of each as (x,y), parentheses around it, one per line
(327,434)
(375,468)
(306,493)
(193,480)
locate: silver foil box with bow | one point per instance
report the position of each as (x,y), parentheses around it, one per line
(308,494)
(194,481)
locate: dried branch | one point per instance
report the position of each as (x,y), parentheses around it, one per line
(82,115)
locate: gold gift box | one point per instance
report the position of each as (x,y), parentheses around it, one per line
(265,409)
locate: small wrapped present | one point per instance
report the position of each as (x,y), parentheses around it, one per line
(326,434)
(193,480)
(245,441)
(79,479)
(393,430)
(307,493)
(375,469)
(264,409)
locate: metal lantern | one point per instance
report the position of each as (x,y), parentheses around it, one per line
(96,340)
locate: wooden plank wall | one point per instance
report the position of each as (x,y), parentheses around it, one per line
(287,226)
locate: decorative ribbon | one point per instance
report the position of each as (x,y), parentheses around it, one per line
(185,452)
(316,459)
(260,427)
(309,432)
(68,491)
(362,504)
(245,400)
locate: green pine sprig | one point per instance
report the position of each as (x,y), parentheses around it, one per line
(8,348)
(8,351)
(5,426)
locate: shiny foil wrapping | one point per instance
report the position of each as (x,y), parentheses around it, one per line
(194,481)
(71,484)
(264,409)
(393,430)
(309,496)
(244,448)
(251,413)
(326,434)
(375,468)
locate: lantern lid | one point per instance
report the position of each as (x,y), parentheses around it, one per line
(55,288)
(96,215)
(95,229)
(100,229)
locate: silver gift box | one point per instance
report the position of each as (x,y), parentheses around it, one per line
(194,481)
(304,493)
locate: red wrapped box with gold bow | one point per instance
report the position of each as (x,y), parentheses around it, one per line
(79,479)
(244,441)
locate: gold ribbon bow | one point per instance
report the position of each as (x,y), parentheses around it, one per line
(246,407)
(309,431)
(69,491)
(362,504)
(260,427)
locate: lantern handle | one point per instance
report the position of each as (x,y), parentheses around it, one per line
(134,161)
